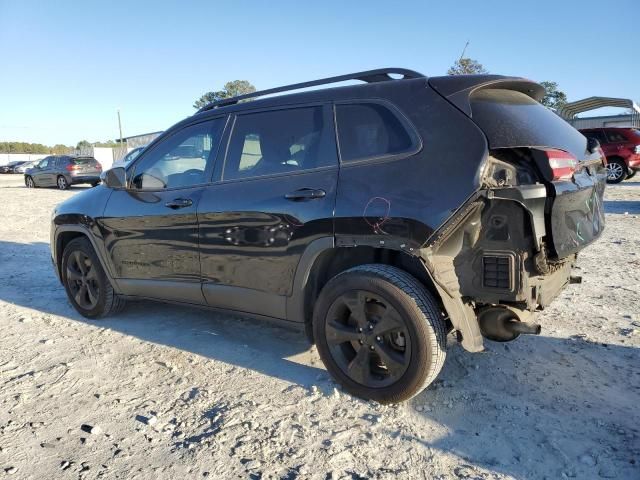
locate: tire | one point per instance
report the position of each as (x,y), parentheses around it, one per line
(29,182)
(616,170)
(62,183)
(398,320)
(86,283)
(631,174)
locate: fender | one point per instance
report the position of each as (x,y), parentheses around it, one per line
(97,247)
(295,303)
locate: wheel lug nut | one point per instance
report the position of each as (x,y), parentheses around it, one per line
(372,347)
(379,339)
(360,342)
(360,330)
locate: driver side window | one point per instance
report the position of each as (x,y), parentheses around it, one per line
(180,160)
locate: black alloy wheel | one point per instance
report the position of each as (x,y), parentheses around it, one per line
(368,338)
(88,287)
(380,333)
(82,280)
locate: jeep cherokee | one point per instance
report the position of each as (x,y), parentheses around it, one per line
(380,216)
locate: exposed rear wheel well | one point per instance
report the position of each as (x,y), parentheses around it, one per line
(336,260)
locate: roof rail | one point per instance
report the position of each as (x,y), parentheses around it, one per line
(369,76)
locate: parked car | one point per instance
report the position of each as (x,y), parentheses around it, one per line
(11,166)
(62,171)
(129,157)
(380,217)
(24,167)
(622,149)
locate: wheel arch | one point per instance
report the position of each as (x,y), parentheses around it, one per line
(322,260)
(65,234)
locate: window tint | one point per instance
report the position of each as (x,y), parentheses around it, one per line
(44,163)
(598,135)
(368,130)
(280,141)
(181,159)
(83,160)
(616,136)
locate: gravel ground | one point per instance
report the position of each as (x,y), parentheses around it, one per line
(164,392)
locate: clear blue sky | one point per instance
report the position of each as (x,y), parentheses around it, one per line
(66,66)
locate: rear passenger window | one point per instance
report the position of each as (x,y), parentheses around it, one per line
(280,141)
(616,137)
(367,130)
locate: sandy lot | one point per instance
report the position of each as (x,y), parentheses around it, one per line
(183,393)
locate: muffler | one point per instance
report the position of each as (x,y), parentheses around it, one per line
(502,324)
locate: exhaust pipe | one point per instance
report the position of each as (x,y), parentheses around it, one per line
(502,324)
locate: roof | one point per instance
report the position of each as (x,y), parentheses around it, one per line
(570,110)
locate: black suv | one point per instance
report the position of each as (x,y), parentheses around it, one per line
(380,216)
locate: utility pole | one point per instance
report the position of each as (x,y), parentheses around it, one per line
(120,128)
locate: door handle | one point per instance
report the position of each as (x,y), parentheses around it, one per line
(305,194)
(177,203)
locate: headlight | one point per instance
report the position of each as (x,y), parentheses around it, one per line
(637,149)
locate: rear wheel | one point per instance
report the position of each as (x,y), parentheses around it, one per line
(62,182)
(631,174)
(28,181)
(86,283)
(616,170)
(380,333)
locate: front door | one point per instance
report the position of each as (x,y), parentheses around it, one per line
(275,195)
(42,174)
(151,227)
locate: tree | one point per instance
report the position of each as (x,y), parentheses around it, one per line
(466,66)
(83,144)
(553,97)
(231,89)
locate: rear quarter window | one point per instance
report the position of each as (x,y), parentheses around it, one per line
(372,130)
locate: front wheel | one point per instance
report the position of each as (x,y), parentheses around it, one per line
(86,283)
(62,183)
(29,183)
(380,333)
(616,170)
(631,174)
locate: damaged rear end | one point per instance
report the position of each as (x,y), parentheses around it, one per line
(509,251)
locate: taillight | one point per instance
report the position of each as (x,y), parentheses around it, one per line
(562,163)
(70,167)
(637,149)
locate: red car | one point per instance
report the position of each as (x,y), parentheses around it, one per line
(621,147)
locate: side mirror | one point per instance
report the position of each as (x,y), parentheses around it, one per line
(114,177)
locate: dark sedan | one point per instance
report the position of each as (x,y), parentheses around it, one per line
(11,166)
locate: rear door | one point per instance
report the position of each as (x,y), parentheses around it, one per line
(275,195)
(151,228)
